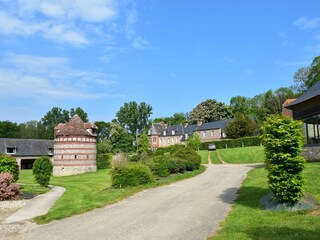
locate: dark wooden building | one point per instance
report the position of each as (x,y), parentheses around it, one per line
(307,109)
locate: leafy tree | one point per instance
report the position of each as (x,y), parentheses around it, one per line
(9,129)
(194,141)
(104,147)
(120,139)
(180,118)
(134,117)
(177,118)
(305,77)
(42,170)
(274,100)
(80,112)
(143,144)
(300,79)
(210,110)
(29,129)
(314,74)
(240,104)
(241,126)
(283,141)
(51,120)
(103,131)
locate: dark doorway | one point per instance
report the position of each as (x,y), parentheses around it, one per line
(27,163)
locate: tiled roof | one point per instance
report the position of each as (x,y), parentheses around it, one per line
(310,93)
(156,128)
(26,147)
(75,127)
(213,125)
(173,130)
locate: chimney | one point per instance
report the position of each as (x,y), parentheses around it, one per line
(199,123)
(163,125)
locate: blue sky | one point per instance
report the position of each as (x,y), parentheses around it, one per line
(99,54)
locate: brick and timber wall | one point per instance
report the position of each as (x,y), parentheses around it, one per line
(74,155)
(75,148)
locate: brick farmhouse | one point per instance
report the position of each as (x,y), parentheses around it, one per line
(163,135)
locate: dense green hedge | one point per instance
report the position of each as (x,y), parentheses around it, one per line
(233,143)
(104,160)
(133,174)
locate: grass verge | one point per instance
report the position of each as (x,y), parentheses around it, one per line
(204,156)
(242,155)
(88,191)
(248,220)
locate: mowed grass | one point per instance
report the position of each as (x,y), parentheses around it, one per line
(88,191)
(242,155)
(248,220)
(214,157)
(204,156)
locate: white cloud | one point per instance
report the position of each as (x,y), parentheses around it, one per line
(78,23)
(306,23)
(140,43)
(64,21)
(41,77)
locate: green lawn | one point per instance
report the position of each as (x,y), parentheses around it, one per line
(214,158)
(242,155)
(204,156)
(91,190)
(248,220)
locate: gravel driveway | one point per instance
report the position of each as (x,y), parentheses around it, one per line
(189,209)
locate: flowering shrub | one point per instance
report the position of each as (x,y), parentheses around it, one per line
(8,190)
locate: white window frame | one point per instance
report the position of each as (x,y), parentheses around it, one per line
(13,152)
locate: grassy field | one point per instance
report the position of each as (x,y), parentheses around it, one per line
(204,156)
(248,220)
(91,190)
(242,155)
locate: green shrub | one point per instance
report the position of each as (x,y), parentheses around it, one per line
(135,158)
(42,170)
(104,160)
(161,166)
(9,165)
(176,165)
(283,140)
(191,159)
(8,190)
(131,175)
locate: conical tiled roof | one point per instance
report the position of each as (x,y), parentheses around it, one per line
(75,127)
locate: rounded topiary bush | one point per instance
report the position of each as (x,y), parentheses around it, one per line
(131,175)
(192,160)
(9,165)
(177,165)
(42,170)
(8,189)
(283,140)
(103,161)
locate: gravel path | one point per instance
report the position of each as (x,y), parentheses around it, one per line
(189,209)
